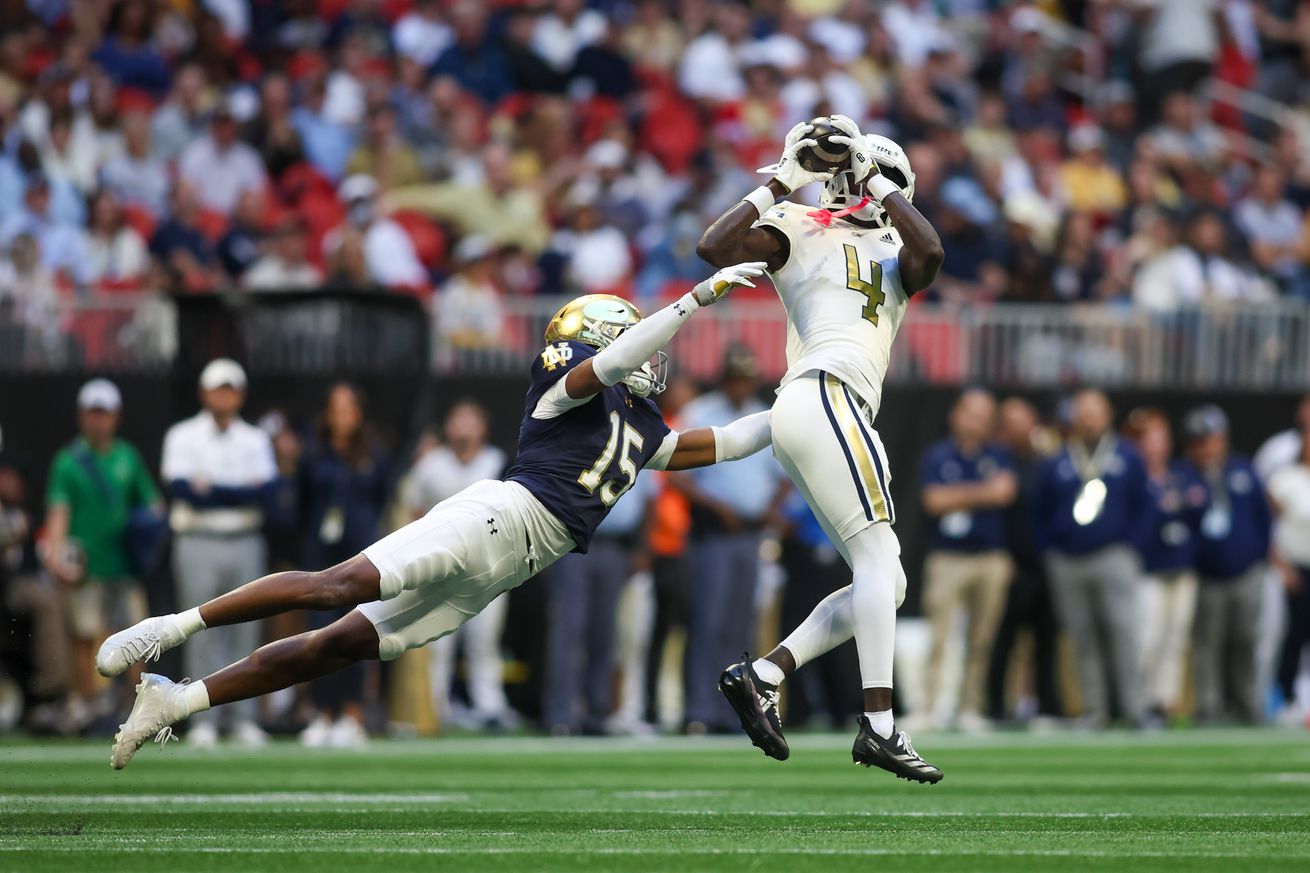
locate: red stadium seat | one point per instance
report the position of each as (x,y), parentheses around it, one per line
(428,238)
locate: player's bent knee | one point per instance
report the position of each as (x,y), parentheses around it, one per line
(349,583)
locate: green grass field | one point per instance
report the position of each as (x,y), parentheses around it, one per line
(1195,801)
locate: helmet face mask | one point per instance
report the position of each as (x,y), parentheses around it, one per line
(842,191)
(597,320)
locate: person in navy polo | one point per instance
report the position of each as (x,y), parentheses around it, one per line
(1090,505)
(967,482)
(1225,505)
(1167,600)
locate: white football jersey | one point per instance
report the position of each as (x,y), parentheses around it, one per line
(841,286)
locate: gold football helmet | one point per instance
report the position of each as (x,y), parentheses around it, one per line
(597,320)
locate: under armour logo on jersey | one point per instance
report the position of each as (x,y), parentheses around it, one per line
(680,309)
(491,523)
(556,356)
(887,237)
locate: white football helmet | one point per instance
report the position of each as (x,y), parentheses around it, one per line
(842,191)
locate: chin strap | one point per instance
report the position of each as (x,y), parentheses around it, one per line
(824,217)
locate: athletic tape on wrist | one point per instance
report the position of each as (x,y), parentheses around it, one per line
(880,186)
(761,198)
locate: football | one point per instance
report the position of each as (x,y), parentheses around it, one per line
(825,154)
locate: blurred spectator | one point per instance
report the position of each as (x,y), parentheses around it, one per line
(284,265)
(1284,447)
(1168,593)
(328,144)
(966,482)
(422,34)
(62,247)
(345,480)
(97,483)
(136,176)
(468,310)
(127,52)
(1273,227)
(388,251)
(670,574)
(1183,136)
(29,287)
(1078,273)
(1180,44)
(731,504)
(596,255)
(966,222)
(603,68)
(494,205)
(272,132)
(1029,603)
(242,243)
(344,98)
(73,159)
(220,166)
(383,154)
(1226,507)
(180,121)
(564,29)
(464,458)
(711,63)
(33,597)
(116,253)
(583,595)
(1091,184)
(1090,508)
(217,469)
(476,59)
(181,246)
(1289,492)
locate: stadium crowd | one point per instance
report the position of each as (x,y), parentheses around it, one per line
(1181,580)
(465,151)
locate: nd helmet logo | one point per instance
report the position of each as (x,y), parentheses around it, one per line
(555,356)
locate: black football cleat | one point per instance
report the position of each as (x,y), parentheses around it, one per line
(894,754)
(756,704)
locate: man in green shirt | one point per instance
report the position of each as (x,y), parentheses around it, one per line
(96,482)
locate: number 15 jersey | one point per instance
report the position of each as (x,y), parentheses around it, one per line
(841,287)
(578,462)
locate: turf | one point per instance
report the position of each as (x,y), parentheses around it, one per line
(1197,801)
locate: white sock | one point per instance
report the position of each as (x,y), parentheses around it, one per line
(190,621)
(882,722)
(769,672)
(196,697)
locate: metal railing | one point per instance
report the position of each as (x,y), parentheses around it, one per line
(1263,348)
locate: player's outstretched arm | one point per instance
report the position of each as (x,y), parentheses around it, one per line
(733,237)
(626,354)
(702,446)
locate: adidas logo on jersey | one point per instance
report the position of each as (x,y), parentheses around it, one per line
(887,237)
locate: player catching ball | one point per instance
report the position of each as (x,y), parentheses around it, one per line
(845,274)
(589,427)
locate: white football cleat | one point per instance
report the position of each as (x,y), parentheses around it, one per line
(202,736)
(143,641)
(248,734)
(159,705)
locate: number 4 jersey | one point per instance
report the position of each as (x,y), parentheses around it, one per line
(841,286)
(579,461)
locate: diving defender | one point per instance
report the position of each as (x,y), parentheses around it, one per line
(589,427)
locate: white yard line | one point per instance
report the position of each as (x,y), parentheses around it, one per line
(660,851)
(309,799)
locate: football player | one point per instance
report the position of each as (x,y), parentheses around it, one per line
(589,427)
(845,274)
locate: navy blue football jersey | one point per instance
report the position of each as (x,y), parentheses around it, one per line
(579,463)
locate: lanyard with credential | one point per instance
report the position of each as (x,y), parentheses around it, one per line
(1091,496)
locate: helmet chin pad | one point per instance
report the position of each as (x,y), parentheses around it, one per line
(650,378)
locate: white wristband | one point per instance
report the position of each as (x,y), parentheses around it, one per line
(880,186)
(761,198)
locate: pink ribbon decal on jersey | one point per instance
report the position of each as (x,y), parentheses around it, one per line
(824,217)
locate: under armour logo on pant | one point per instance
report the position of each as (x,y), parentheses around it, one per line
(491,522)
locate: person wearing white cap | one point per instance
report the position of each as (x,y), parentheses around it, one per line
(96,482)
(216,467)
(389,252)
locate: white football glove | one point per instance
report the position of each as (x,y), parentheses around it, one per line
(862,162)
(716,287)
(788,171)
